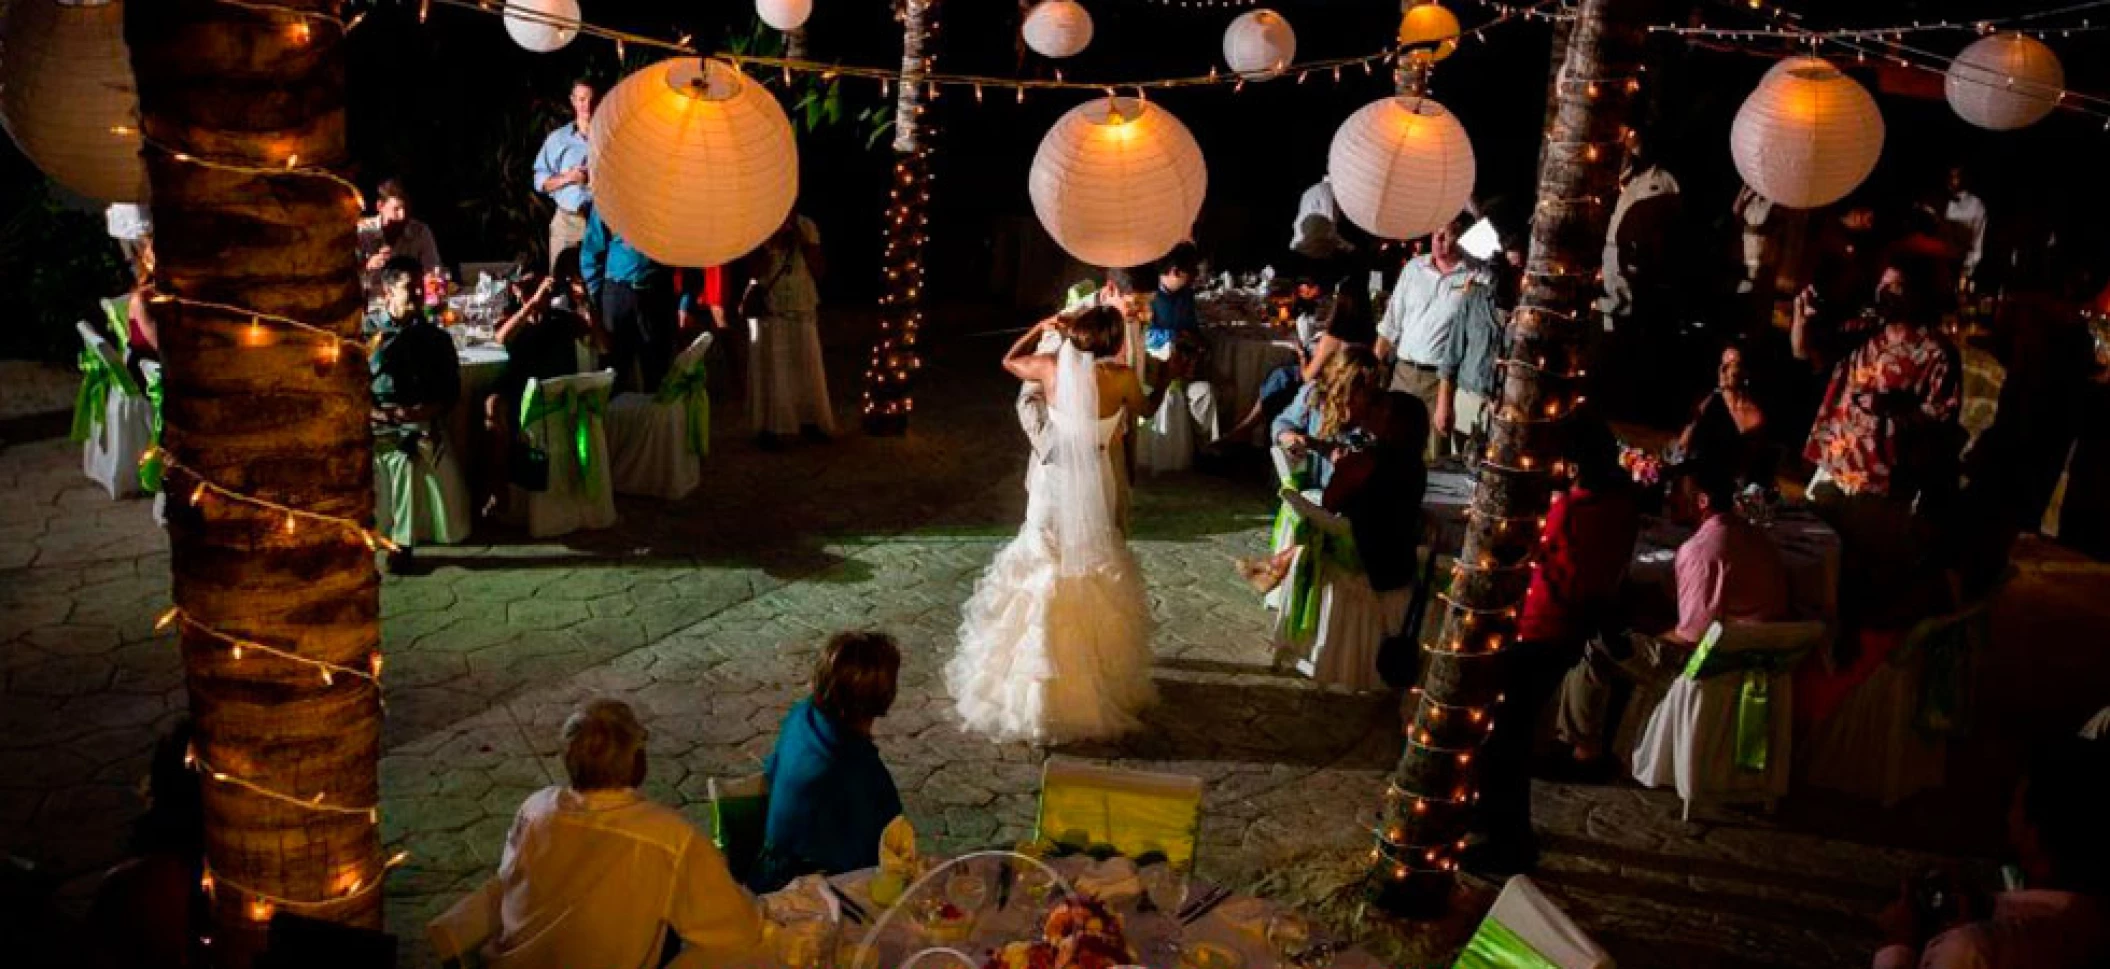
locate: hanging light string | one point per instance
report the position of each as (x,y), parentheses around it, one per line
(262,904)
(2025,23)
(238,646)
(290,166)
(318,803)
(890,75)
(257,319)
(208,490)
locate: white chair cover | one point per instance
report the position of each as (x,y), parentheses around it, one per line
(576,498)
(1165,442)
(459,934)
(1523,915)
(110,454)
(430,487)
(652,450)
(1691,738)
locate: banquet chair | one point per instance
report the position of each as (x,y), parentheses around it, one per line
(427,484)
(459,933)
(1888,740)
(562,417)
(1724,730)
(1525,930)
(739,819)
(1165,442)
(1135,812)
(113,419)
(657,442)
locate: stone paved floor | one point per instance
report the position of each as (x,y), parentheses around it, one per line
(706,614)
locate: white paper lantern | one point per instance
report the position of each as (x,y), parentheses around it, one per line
(1058,28)
(693,162)
(530,27)
(1259,44)
(784,14)
(1807,136)
(1118,182)
(66,93)
(1401,167)
(2005,81)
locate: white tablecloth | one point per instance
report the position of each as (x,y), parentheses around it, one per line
(1239,924)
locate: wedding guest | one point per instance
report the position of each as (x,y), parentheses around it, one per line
(596,874)
(1317,202)
(1172,309)
(1414,333)
(132,227)
(2059,918)
(787,385)
(148,910)
(1728,427)
(1315,423)
(1338,319)
(140,338)
(637,303)
(1172,339)
(416,378)
(391,232)
(561,173)
(1963,220)
(541,337)
(1584,549)
(1466,369)
(1729,571)
(830,796)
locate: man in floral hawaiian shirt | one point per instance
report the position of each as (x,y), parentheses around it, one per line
(1887,424)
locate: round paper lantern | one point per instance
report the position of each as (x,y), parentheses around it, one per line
(1807,136)
(1259,44)
(1118,182)
(66,95)
(693,162)
(2005,81)
(784,14)
(1058,28)
(1431,30)
(1401,167)
(536,33)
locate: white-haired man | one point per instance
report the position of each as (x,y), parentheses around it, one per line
(597,875)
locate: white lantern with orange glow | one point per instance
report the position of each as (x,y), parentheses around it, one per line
(1118,182)
(67,98)
(1401,167)
(1058,28)
(542,25)
(784,14)
(2005,81)
(693,162)
(1430,31)
(1259,44)
(1807,136)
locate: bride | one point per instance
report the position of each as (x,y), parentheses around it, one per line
(1055,644)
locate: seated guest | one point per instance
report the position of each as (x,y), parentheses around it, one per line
(417,377)
(597,875)
(830,796)
(1729,571)
(149,909)
(1584,549)
(1172,310)
(1729,428)
(1172,338)
(541,338)
(389,233)
(1339,319)
(1315,424)
(2060,916)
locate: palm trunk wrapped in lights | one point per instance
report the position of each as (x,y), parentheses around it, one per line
(269,460)
(891,373)
(1428,805)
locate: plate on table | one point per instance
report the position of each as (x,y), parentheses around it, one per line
(1209,955)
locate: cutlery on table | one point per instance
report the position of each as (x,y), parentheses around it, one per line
(849,907)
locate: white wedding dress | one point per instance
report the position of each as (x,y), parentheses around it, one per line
(1055,644)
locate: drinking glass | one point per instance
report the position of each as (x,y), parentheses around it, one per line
(967,890)
(1287,933)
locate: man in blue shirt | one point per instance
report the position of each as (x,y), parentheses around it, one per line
(637,302)
(560,171)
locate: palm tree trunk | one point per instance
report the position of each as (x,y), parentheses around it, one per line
(1429,804)
(890,378)
(277,414)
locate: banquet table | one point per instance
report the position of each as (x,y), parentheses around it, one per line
(1242,349)
(1808,546)
(1237,924)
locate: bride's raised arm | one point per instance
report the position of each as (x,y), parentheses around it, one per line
(1025,361)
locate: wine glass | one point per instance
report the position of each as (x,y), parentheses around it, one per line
(1287,933)
(967,890)
(1166,887)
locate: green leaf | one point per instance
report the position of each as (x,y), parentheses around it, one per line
(877,132)
(832,106)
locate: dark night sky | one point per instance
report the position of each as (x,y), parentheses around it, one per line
(429,99)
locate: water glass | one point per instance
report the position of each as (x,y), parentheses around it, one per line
(967,890)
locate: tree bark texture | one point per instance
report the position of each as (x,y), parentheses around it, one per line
(1429,806)
(274,413)
(890,376)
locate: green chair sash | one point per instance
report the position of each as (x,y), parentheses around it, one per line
(689,389)
(1754,706)
(1497,946)
(93,399)
(583,406)
(118,311)
(151,469)
(1944,686)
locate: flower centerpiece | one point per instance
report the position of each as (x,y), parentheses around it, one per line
(1080,933)
(1645,467)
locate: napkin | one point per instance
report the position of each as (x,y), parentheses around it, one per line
(897,848)
(1248,915)
(803,899)
(1113,881)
